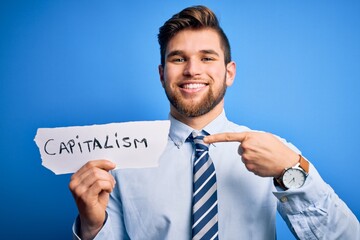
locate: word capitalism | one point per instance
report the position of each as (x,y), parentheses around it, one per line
(53,147)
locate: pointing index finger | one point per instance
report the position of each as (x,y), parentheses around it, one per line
(226,137)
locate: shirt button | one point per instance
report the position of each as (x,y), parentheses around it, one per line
(283,199)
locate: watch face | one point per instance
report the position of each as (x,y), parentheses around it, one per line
(293,178)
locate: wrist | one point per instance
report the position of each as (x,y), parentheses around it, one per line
(88,230)
(88,233)
(290,160)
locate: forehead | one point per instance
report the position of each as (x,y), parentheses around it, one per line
(194,41)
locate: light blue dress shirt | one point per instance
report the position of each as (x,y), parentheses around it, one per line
(155,203)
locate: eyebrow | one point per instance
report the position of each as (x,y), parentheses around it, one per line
(179,52)
(210,51)
(174,53)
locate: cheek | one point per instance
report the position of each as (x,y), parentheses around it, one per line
(217,73)
(219,79)
(170,75)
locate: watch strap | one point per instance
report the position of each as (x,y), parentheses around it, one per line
(304,164)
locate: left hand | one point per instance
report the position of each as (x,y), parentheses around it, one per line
(262,153)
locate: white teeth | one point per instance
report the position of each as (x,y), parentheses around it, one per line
(193,85)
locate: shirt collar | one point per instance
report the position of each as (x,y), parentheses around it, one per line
(179,131)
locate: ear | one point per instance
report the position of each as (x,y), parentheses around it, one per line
(230,73)
(161,75)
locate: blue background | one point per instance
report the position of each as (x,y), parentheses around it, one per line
(65,63)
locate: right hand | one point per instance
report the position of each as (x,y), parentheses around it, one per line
(262,153)
(91,186)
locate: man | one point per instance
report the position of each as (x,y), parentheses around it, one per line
(245,185)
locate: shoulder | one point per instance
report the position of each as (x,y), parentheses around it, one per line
(233,127)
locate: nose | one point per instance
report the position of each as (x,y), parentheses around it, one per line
(192,68)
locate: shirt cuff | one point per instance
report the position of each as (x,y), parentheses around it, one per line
(75,229)
(104,232)
(296,200)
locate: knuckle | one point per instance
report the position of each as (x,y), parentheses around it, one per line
(245,157)
(244,145)
(93,171)
(97,184)
(90,164)
(101,185)
(250,167)
(73,178)
(228,137)
(96,174)
(77,192)
(72,185)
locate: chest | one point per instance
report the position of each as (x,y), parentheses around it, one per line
(159,200)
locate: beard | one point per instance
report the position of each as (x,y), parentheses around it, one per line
(191,108)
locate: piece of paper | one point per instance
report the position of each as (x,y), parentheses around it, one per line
(129,145)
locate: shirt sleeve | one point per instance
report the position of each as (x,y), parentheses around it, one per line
(105,233)
(314,211)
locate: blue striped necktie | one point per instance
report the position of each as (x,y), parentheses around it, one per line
(205,208)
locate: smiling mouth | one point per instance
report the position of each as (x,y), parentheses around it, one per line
(193,85)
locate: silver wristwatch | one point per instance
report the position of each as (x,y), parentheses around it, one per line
(294,177)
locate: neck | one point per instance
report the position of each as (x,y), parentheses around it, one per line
(199,122)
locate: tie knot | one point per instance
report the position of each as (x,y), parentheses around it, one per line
(197,138)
